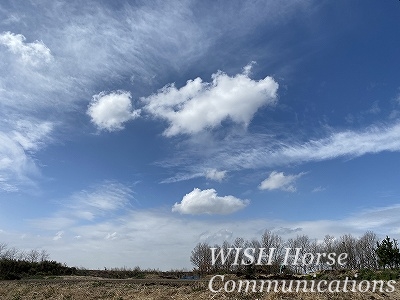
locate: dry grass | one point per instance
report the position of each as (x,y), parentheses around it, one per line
(122,290)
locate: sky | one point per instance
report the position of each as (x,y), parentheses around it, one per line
(130,131)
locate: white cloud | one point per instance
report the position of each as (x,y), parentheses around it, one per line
(280,181)
(209,173)
(208,202)
(17,166)
(58,236)
(374,139)
(111,111)
(28,53)
(214,174)
(201,105)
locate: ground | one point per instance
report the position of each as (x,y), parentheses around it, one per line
(94,288)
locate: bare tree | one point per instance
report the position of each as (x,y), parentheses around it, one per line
(227,267)
(270,240)
(315,248)
(11,253)
(44,255)
(348,244)
(361,253)
(366,250)
(328,246)
(302,242)
(3,248)
(218,266)
(239,243)
(201,258)
(33,255)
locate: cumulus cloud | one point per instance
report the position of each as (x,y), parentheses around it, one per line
(280,181)
(28,53)
(110,111)
(208,202)
(214,174)
(202,105)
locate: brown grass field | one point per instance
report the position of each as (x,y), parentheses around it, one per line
(152,289)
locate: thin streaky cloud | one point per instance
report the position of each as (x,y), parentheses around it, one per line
(99,201)
(254,151)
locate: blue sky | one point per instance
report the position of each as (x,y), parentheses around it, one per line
(131,131)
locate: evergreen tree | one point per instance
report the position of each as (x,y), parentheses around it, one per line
(388,253)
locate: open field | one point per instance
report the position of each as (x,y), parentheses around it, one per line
(153,289)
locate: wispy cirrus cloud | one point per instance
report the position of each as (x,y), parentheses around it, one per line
(98,201)
(58,55)
(17,167)
(255,150)
(208,173)
(349,143)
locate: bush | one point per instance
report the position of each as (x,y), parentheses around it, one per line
(387,274)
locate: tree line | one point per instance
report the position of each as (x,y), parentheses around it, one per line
(365,252)
(16,264)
